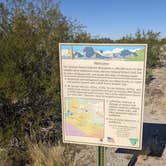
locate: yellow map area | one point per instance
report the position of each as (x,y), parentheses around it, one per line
(85,116)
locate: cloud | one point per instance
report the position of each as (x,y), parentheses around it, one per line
(134,50)
(117,50)
(105,53)
(108,53)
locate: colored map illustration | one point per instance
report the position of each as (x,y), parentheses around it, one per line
(84,118)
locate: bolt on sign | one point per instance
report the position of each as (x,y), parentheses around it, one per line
(102,93)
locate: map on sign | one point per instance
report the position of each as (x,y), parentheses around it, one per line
(84,118)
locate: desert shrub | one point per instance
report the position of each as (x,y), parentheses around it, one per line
(29,65)
(163,52)
(149,75)
(153,59)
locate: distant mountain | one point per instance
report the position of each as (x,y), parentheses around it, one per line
(78,55)
(88,52)
(125,54)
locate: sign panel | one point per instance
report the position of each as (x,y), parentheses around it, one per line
(102,93)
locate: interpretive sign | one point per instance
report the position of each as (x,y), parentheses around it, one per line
(102,93)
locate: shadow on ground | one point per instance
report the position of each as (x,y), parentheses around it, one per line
(154,140)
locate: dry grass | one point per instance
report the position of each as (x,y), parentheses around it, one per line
(43,155)
(3,156)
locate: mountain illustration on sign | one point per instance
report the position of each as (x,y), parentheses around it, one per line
(89,52)
(125,54)
(133,141)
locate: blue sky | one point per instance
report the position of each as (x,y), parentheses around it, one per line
(115,18)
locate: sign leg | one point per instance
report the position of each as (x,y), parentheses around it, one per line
(101,156)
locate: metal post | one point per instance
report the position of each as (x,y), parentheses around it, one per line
(101,156)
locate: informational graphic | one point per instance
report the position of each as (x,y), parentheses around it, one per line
(102,93)
(84,117)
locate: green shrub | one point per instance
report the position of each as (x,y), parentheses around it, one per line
(149,75)
(153,56)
